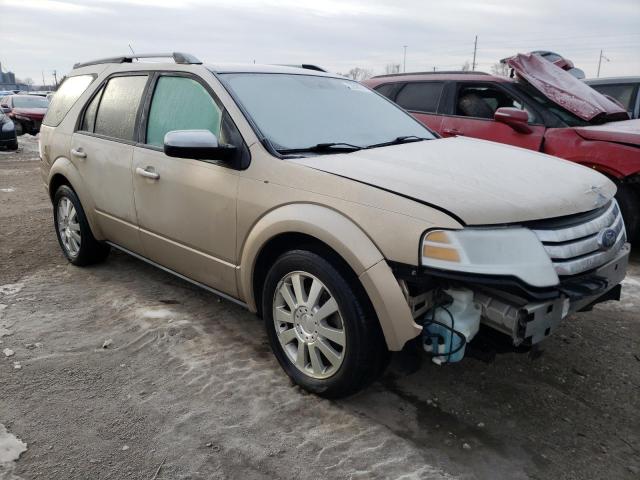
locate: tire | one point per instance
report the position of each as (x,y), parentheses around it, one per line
(72,229)
(629,200)
(325,367)
(13,145)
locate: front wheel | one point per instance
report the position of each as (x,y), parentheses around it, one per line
(320,326)
(74,233)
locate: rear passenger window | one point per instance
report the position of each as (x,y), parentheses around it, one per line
(181,103)
(116,116)
(420,96)
(65,97)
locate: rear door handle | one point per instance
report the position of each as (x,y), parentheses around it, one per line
(78,152)
(148,173)
(452,131)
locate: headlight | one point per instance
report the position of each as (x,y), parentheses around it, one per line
(514,252)
(8,126)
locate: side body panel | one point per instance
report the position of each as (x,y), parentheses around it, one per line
(613,159)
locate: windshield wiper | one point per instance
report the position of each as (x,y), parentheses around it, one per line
(323,147)
(399,140)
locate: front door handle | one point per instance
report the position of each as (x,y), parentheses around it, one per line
(148,173)
(78,152)
(452,131)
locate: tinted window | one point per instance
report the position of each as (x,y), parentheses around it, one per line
(622,93)
(301,111)
(89,120)
(118,108)
(65,97)
(420,97)
(181,103)
(387,90)
(482,101)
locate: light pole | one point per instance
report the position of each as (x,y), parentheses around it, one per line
(404,62)
(600,63)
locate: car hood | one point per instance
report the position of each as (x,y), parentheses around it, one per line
(30,112)
(627,131)
(477,182)
(564,89)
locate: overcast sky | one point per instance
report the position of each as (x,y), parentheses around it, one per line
(40,35)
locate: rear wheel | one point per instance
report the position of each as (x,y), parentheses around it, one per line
(72,228)
(320,327)
(628,197)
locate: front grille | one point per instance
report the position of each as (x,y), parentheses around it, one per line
(573,246)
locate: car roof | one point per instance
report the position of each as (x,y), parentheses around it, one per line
(427,76)
(612,80)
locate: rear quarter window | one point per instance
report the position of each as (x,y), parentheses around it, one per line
(66,97)
(420,96)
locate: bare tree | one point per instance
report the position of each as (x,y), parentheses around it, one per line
(392,68)
(359,74)
(466,67)
(500,69)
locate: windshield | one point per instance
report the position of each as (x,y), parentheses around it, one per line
(30,102)
(298,112)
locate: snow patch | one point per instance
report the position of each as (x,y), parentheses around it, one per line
(155,313)
(11,447)
(7,190)
(11,288)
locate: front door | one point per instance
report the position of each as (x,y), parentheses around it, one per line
(186,208)
(474,108)
(102,151)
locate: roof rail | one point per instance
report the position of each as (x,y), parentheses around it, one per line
(306,66)
(178,57)
(446,72)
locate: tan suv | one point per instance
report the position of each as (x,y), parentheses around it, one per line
(320,205)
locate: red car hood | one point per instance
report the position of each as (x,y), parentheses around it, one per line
(564,89)
(627,131)
(35,113)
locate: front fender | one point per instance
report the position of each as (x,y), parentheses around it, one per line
(63,166)
(352,244)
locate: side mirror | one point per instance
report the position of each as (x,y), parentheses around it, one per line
(196,144)
(514,117)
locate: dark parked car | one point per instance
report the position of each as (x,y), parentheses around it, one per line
(8,137)
(543,108)
(26,111)
(625,90)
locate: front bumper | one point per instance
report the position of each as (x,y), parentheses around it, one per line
(530,322)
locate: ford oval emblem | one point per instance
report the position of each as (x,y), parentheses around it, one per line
(607,238)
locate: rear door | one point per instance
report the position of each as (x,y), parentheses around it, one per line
(421,99)
(187,215)
(102,151)
(472,111)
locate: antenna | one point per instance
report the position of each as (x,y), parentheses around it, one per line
(134,53)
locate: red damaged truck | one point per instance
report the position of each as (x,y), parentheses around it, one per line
(542,108)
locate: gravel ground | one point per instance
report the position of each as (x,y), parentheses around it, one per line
(187,388)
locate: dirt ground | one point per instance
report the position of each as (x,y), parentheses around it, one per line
(188,388)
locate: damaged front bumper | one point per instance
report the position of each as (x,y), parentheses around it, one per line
(529,322)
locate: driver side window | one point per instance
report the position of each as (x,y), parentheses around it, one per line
(482,101)
(181,103)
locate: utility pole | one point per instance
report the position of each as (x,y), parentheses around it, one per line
(600,63)
(55,78)
(475,49)
(404,63)
(43,84)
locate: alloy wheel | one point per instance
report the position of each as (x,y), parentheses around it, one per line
(69,227)
(309,325)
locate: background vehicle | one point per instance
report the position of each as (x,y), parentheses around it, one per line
(26,111)
(626,90)
(326,209)
(513,111)
(8,137)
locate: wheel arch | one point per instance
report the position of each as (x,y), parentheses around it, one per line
(328,231)
(64,172)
